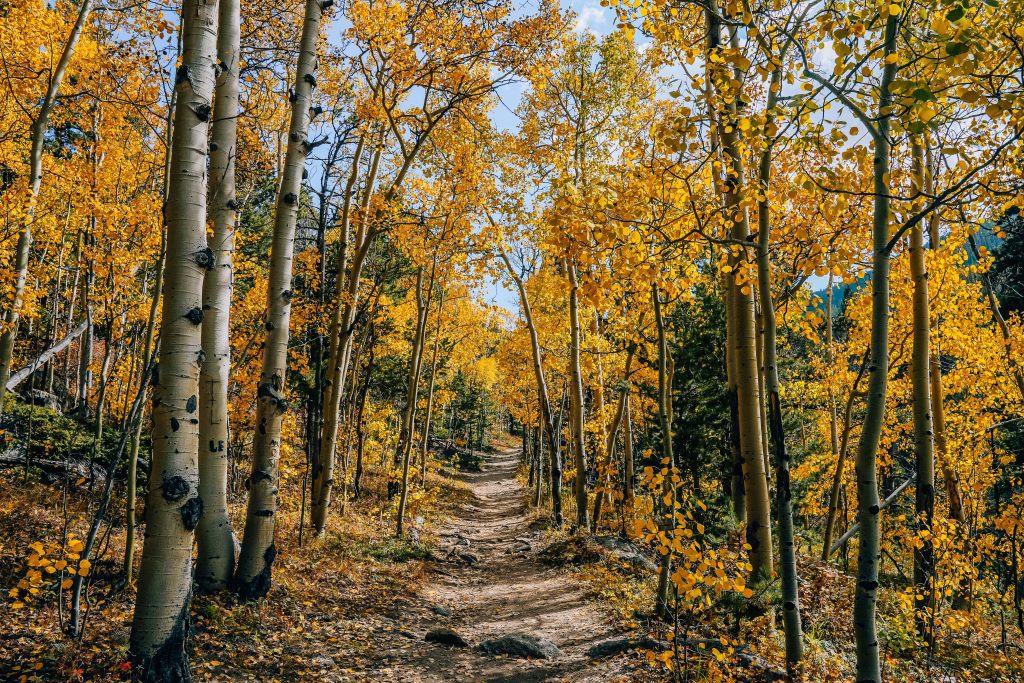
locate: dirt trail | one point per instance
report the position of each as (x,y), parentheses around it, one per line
(507,590)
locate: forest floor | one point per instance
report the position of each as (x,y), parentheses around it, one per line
(355,605)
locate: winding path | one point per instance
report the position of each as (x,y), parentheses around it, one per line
(505,591)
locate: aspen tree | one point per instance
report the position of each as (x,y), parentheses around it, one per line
(668,507)
(783,489)
(216,559)
(744,341)
(40,124)
(576,397)
(341,331)
(924,445)
(869,551)
(425,437)
(868,503)
(253,574)
(551,435)
(173,506)
(949,475)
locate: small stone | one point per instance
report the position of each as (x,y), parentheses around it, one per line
(443,611)
(445,636)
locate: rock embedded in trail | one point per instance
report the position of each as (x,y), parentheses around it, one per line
(468,558)
(521,645)
(441,610)
(445,636)
(616,646)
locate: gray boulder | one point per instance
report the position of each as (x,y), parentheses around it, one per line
(521,645)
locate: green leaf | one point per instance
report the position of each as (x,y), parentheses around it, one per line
(956,49)
(991,3)
(923,95)
(956,14)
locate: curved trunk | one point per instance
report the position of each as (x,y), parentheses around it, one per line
(173,507)
(868,511)
(216,556)
(253,575)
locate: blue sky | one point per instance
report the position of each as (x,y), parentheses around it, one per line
(590,16)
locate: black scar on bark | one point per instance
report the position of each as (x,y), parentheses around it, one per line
(175,425)
(264,513)
(202,112)
(174,488)
(752,530)
(191,511)
(259,585)
(195,315)
(183,74)
(290,198)
(190,404)
(205,258)
(258,476)
(169,662)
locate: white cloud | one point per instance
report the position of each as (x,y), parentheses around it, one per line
(590,16)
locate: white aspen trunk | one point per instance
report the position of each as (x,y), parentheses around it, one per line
(924,442)
(868,504)
(253,576)
(576,399)
(216,559)
(173,506)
